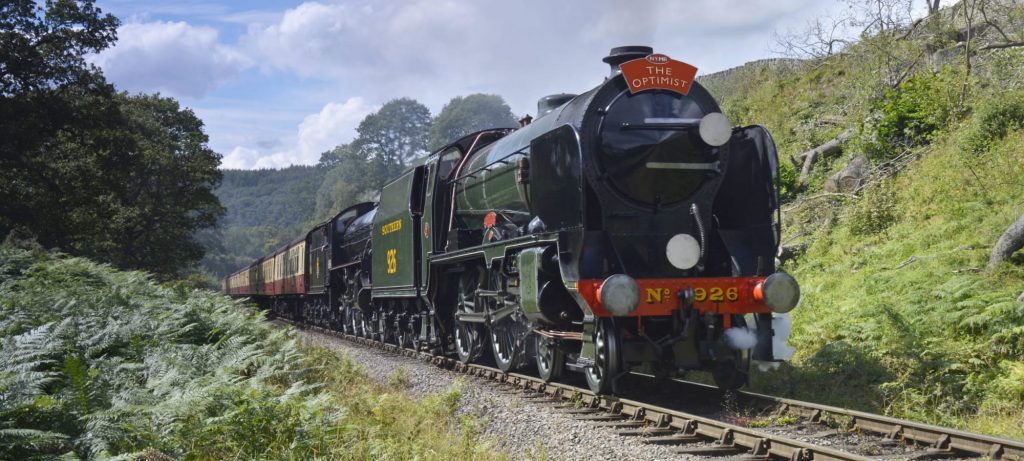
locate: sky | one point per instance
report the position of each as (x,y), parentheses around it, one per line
(279,82)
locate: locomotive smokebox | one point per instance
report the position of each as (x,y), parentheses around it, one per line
(621,54)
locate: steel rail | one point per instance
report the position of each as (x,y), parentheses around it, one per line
(939,438)
(680,427)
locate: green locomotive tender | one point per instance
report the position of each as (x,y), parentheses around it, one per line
(627,229)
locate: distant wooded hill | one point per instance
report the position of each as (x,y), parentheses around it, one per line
(265,209)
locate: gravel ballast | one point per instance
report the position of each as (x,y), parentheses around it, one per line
(515,425)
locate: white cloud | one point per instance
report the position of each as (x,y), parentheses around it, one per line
(432,50)
(174,58)
(335,124)
(240,158)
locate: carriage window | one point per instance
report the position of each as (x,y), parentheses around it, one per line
(449,160)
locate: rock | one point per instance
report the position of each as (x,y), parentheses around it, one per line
(850,178)
(1021,297)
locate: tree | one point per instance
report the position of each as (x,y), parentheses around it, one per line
(464,115)
(164,188)
(123,179)
(43,76)
(139,185)
(345,183)
(392,136)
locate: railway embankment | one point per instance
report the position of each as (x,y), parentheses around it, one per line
(898,188)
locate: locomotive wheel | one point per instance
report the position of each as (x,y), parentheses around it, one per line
(510,335)
(607,361)
(732,373)
(468,340)
(550,359)
(508,343)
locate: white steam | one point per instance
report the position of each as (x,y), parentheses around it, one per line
(741,338)
(782,326)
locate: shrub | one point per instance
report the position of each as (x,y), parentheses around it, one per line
(910,115)
(874,212)
(993,119)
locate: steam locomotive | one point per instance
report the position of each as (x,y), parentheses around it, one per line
(630,228)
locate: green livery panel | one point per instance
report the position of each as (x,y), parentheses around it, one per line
(396,241)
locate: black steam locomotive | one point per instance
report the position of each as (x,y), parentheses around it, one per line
(626,229)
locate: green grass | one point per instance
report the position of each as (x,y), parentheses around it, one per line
(101,364)
(899,314)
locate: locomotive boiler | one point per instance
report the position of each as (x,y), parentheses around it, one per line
(630,228)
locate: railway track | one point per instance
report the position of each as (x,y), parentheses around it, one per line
(698,435)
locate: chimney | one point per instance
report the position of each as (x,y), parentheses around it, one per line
(621,54)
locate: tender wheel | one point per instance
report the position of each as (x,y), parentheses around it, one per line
(355,322)
(365,327)
(405,334)
(550,359)
(607,359)
(414,338)
(733,373)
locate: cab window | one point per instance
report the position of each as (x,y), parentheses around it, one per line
(449,160)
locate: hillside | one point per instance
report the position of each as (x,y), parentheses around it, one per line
(101,364)
(893,232)
(265,209)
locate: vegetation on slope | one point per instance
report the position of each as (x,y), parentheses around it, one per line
(99,364)
(899,313)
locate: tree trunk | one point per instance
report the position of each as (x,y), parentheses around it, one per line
(832,147)
(1011,241)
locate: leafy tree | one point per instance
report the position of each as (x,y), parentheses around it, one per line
(345,183)
(466,114)
(165,186)
(392,136)
(43,76)
(124,179)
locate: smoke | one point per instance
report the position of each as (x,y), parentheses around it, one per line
(782,326)
(741,338)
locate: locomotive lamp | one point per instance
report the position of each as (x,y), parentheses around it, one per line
(619,294)
(779,292)
(715,129)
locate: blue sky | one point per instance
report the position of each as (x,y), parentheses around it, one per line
(277,83)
